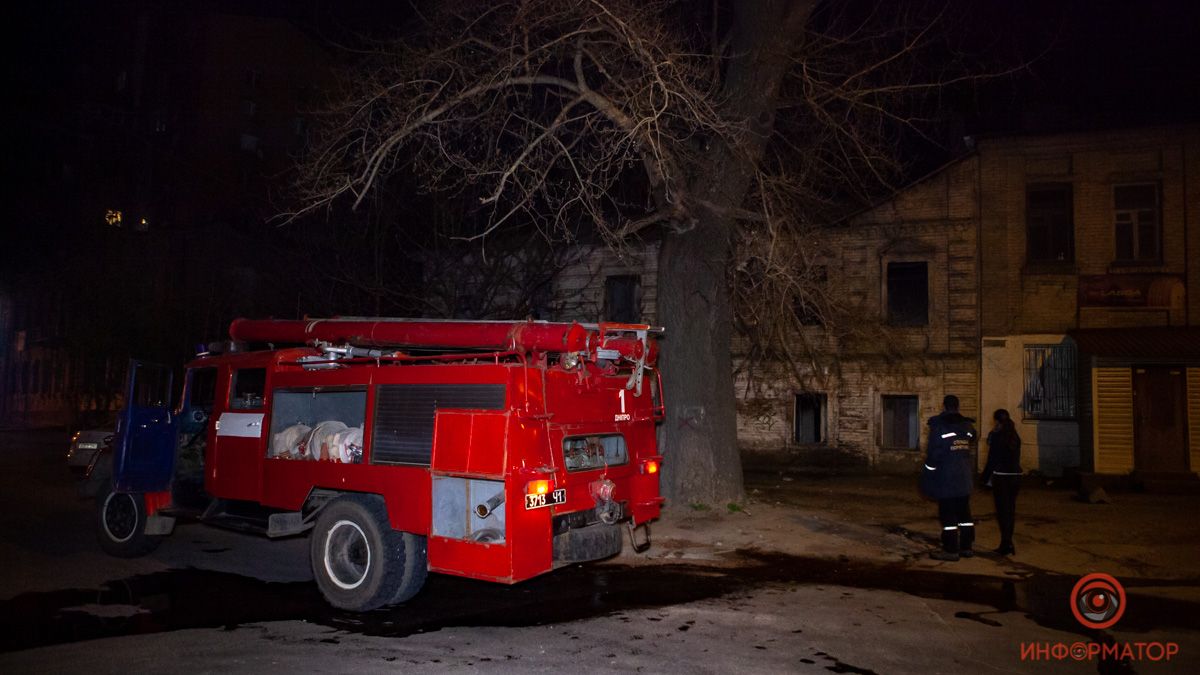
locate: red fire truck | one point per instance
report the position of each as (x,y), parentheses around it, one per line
(491,450)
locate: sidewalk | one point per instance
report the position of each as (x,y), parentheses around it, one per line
(881,519)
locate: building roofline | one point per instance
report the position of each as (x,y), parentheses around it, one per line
(1115,128)
(845,220)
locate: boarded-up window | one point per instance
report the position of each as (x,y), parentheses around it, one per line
(908,293)
(901,422)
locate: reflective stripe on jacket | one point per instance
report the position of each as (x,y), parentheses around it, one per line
(949,463)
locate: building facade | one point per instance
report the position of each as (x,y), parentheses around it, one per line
(907,271)
(1055,276)
(1090,296)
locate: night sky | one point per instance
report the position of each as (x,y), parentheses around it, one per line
(1091,64)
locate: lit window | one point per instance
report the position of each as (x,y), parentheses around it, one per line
(112,217)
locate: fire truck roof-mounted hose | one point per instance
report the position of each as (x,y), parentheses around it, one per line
(502,335)
(523,336)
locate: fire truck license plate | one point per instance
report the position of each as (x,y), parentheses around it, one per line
(559,496)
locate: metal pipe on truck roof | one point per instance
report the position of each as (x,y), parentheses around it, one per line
(499,335)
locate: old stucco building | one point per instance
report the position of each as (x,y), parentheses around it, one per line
(908,270)
(1056,276)
(1090,297)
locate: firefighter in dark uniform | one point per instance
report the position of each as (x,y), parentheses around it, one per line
(948,477)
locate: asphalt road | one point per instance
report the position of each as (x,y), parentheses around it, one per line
(210,600)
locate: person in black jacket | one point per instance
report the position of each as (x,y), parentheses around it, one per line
(1003,473)
(948,477)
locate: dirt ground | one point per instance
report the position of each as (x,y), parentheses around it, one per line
(881,518)
(814,572)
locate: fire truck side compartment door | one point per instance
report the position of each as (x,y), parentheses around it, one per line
(240,425)
(144,454)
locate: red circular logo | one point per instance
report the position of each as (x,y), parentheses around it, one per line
(1098,600)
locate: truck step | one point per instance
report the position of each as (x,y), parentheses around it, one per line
(230,522)
(251,517)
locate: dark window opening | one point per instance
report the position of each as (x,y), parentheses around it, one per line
(1049,382)
(810,418)
(202,390)
(1138,231)
(908,294)
(901,423)
(622,298)
(1050,223)
(249,385)
(151,386)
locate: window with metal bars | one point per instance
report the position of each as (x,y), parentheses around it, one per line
(1049,382)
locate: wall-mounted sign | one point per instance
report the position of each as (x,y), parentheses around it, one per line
(1131,290)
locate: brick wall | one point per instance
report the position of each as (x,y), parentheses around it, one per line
(579,288)
(934,221)
(1026,303)
(1021,297)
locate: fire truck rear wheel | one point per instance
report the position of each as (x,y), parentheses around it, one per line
(359,561)
(121,524)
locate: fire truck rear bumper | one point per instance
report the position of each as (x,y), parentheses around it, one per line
(582,544)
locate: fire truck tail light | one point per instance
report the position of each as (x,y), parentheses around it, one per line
(537,487)
(651,466)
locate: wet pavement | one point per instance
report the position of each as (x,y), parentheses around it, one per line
(58,592)
(195,598)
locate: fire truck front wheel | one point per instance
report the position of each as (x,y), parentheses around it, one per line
(359,561)
(121,524)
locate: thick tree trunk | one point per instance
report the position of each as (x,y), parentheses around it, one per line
(702,462)
(700,437)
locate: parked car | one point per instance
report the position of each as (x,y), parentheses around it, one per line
(85,444)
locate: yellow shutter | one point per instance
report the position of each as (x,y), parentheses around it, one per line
(1193,415)
(1112,419)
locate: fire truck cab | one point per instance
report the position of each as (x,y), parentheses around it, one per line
(491,450)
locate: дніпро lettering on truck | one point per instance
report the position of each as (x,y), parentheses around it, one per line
(486,449)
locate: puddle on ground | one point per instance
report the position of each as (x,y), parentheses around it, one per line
(191,598)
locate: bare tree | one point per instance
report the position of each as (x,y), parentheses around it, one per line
(729,130)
